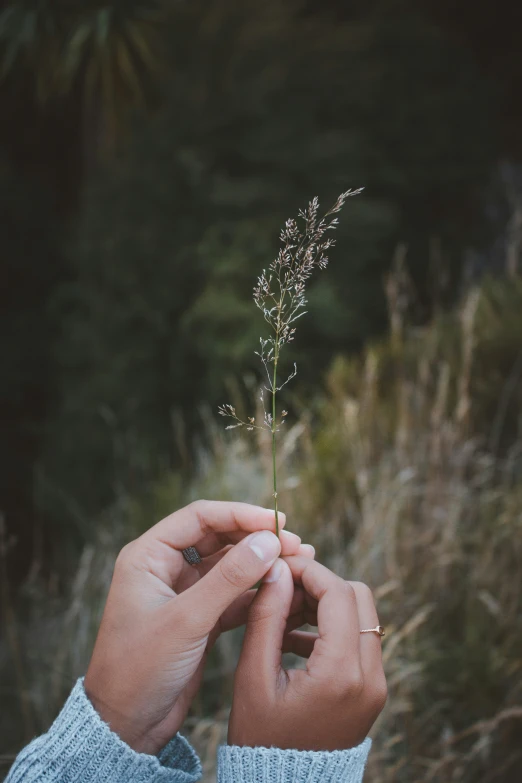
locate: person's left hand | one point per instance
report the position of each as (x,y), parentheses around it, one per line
(162,614)
(333,702)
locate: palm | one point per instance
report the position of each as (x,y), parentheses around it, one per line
(303,610)
(183,576)
(162,615)
(110,55)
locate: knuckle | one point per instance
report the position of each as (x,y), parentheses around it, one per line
(233,573)
(362,589)
(125,556)
(200,510)
(259,613)
(352,685)
(198,505)
(348,590)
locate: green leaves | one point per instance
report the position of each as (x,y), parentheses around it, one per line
(263,106)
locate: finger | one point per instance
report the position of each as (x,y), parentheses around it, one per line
(244,565)
(189,525)
(371,646)
(290,545)
(307,550)
(211,560)
(337,617)
(188,574)
(370,643)
(216,542)
(260,660)
(303,609)
(237,614)
(300,643)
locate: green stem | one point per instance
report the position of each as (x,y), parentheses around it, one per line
(274,387)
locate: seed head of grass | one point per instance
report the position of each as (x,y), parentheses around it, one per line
(280,294)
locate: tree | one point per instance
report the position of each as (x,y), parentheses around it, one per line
(265,107)
(70,73)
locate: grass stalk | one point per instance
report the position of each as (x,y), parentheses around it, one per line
(274,447)
(280,294)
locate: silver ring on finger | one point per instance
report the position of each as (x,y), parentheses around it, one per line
(191,555)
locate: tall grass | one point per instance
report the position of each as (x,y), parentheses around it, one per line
(409,477)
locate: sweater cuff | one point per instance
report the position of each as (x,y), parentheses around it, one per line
(80,746)
(256,765)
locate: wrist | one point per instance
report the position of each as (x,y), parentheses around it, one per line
(128,731)
(80,746)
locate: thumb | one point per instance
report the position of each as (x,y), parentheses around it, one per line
(261,655)
(244,565)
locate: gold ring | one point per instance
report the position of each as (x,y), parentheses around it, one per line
(379,630)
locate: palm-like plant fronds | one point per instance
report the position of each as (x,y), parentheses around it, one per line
(111,51)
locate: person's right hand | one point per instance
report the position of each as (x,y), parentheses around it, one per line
(330,705)
(163,615)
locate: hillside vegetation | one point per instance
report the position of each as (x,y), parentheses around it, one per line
(406,473)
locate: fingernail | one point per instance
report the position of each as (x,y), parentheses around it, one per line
(289,536)
(274,573)
(265,545)
(309,548)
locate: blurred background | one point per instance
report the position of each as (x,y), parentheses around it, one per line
(150,152)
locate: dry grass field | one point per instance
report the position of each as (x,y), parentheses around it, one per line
(407,474)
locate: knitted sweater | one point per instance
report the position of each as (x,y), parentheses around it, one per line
(80,748)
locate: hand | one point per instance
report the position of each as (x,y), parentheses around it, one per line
(330,705)
(162,614)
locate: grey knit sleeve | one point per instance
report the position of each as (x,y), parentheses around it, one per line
(271,765)
(80,748)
